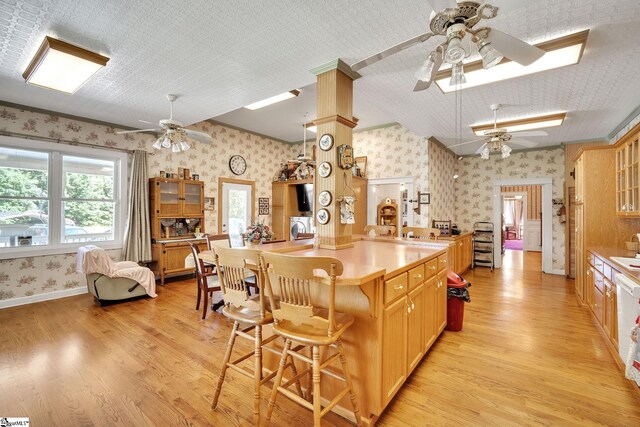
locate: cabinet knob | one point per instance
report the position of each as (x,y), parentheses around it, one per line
(417,276)
(432,267)
(398,287)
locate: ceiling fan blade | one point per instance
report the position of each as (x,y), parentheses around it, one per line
(421,84)
(523,142)
(140,130)
(199,136)
(439,5)
(482,148)
(468,142)
(145,121)
(514,49)
(390,51)
(526,133)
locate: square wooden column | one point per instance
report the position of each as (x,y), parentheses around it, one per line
(335,117)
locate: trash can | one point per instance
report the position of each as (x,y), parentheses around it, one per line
(457,295)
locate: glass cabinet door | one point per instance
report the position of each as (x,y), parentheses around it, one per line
(634,201)
(192,199)
(169,198)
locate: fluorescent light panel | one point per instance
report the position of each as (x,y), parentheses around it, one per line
(273,100)
(528,123)
(62,66)
(560,52)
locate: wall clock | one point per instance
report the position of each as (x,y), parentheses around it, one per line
(324,198)
(237,164)
(345,156)
(326,142)
(322,216)
(324,170)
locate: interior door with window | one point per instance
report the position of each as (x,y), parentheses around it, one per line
(237,209)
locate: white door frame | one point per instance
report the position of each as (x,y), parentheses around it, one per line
(547,224)
(524,210)
(372,214)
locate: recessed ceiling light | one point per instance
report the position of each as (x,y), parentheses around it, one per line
(528,123)
(560,52)
(273,99)
(62,66)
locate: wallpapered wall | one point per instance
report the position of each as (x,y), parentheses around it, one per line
(474,188)
(395,151)
(38,275)
(442,167)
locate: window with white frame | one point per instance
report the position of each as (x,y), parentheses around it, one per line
(54,197)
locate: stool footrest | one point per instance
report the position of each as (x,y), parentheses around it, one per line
(240,370)
(291,395)
(334,402)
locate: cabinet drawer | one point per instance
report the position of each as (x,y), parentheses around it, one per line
(431,268)
(607,272)
(393,288)
(598,264)
(442,262)
(416,276)
(591,258)
(598,281)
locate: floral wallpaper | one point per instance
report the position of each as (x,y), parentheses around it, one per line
(442,167)
(395,151)
(37,275)
(474,188)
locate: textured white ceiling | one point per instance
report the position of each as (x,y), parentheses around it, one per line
(221,55)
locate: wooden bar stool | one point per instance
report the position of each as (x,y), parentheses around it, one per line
(252,312)
(297,320)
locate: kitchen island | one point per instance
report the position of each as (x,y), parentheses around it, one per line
(397,293)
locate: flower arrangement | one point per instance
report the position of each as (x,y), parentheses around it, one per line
(257,232)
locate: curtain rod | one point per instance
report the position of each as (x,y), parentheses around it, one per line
(66,141)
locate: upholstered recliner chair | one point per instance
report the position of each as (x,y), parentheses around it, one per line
(110,281)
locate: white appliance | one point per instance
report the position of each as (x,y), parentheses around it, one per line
(628,312)
(299,224)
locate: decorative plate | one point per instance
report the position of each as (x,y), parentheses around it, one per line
(237,164)
(326,142)
(324,198)
(322,216)
(325,169)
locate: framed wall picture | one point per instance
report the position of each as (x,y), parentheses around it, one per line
(361,161)
(209,203)
(263,206)
(424,198)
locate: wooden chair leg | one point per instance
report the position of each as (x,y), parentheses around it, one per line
(310,379)
(317,408)
(227,357)
(257,375)
(347,376)
(206,303)
(277,380)
(199,293)
(294,373)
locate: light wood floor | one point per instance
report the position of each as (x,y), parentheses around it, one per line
(528,355)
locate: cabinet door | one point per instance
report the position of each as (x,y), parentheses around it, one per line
(168,193)
(633,198)
(441,303)
(394,345)
(192,198)
(589,284)
(598,305)
(621,182)
(415,327)
(430,309)
(611,312)
(174,255)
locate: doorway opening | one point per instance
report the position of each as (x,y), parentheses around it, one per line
(236,207)
(399,191)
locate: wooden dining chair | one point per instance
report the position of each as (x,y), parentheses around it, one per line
(207,281)
(218,240)
(427,233)
(251,312)
(297,319)
(381,230)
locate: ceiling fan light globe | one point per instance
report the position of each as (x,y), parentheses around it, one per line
(426,70)
(490,56)
(457,75)
(184,145)
(485,153)
(158,144)
(166,142)
(455,51)
(506,151)
(175,148)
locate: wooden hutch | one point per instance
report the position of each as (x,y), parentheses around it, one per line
(176,209)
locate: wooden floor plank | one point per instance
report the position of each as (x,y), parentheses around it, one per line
(529,354)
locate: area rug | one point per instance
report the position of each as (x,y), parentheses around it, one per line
(514,245)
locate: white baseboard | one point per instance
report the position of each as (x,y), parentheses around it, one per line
(13,302)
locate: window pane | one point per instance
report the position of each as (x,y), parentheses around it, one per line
(87,178)
(23,222)
(23,173)
(88,221)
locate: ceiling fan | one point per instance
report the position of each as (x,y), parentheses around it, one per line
(303,158)
(495,139)
(455,20)
(173,133)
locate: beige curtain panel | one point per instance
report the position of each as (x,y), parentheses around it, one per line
(137,237)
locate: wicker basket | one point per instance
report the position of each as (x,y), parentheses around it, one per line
(634,244)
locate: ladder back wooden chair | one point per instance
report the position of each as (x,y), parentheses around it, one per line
(251,312)
(426,233)
(298,320)
(207,281)
(381,230)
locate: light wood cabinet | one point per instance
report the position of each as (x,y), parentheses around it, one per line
(394,357)
(463,253)
(176,208)
(430,302)
(628,176)
(603,297)
(441,301)
(388,214)
(611,311)
(415,327)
